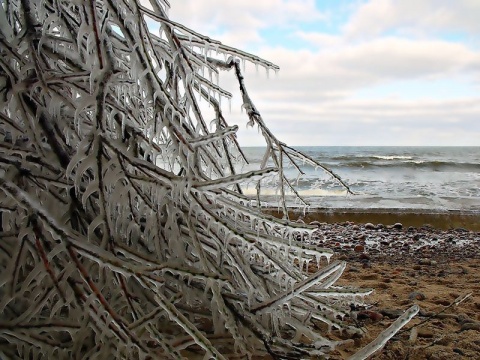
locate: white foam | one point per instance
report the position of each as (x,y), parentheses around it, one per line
(393,157)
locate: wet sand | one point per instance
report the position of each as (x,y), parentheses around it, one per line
(443,330)
(408,217)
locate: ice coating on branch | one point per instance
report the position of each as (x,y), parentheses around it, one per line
(125,231)
(385,335)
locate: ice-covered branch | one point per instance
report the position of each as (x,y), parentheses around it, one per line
(125,233)
(276,150)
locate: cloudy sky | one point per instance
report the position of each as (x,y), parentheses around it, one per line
(376,72)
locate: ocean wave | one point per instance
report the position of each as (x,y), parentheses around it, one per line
(426,164)
(249,191)
(392,157)
(356,157)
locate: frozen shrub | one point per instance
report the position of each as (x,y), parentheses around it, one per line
(124,231)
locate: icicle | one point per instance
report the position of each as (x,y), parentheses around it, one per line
(385,335)
(206,50)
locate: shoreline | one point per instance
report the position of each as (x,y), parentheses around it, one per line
(438,219)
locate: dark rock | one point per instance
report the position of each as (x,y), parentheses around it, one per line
(359,248)
(416,295)
(368,314)
(442,273)
(425,333)
(364,256)
(463,319)
(369,226)
(366,264)
(398,226)
(391,313)
(373,276)
(427,262)
(360,237)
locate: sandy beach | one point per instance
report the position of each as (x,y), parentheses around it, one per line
(434,267)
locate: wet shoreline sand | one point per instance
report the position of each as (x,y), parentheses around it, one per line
(439,219)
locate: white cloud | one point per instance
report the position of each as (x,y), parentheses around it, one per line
(402,58)
(238,22)
(313,100)
(320,40)
(413,16)
(351,122)
(309,75)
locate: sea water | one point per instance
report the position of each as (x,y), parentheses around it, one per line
(427,178)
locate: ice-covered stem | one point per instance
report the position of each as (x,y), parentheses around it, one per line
(386,335)
(276,149)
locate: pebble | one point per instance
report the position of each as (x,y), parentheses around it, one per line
(359,248)
(416,295)
(427,262)
(368,314)
(425,333)
(391,313)
(369,226)
(445,341)
(369,277)
(398,226)
(471,326)
(395,246)
(360,237)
